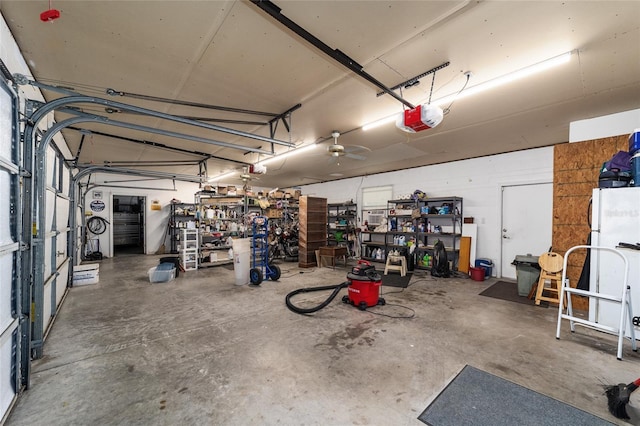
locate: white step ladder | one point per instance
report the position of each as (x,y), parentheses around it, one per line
(624,299)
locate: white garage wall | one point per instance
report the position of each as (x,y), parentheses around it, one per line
(155,220)
(478,181)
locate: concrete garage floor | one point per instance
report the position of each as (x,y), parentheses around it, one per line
(201,350)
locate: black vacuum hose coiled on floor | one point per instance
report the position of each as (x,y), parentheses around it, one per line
(336,289)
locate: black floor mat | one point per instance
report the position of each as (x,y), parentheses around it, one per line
(475,397)
(507,291)
(395,280)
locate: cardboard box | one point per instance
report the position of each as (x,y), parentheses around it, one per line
(231,190)
(222,190)
(292,193)
(273,213)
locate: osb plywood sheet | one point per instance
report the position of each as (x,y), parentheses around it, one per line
(570,176)
(576,167)
(570,210)
(573,156)
(567,236)
(573,188)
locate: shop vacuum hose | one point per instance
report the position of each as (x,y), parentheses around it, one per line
(303,311)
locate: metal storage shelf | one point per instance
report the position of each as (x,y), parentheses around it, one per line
(341,218)
(178,221)
(415,227)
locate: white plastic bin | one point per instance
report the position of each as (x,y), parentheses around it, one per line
(89,273)
(162,274)
(241,260)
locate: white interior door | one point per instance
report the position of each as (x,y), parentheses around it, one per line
(526,222)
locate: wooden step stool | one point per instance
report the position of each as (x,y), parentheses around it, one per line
(396,263)
(551,270)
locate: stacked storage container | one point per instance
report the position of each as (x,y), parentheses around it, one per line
(634,150)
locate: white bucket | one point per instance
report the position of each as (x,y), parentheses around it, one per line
(241,259)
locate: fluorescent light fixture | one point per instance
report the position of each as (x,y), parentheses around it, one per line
(222,176)
(507,78)
(498,81)
(380,122)
(287,154)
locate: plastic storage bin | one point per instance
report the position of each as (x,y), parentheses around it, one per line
(162,273)
(527,271)
(477,274)
(487,264)
(175,261)
(635,169)
(241,260)
(88,273)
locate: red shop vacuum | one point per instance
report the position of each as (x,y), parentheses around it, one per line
(363,286)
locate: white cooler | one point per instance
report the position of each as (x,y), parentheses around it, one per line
(86,274)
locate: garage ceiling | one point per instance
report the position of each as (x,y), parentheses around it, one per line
(232,54)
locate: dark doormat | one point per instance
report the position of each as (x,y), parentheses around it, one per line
(395,280)
(475,397)
(508,291)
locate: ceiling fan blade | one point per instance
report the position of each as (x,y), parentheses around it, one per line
(356,149)
(335,161)
(356,157)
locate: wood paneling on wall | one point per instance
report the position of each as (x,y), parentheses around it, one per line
(576,167)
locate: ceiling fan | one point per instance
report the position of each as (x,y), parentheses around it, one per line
(355,152)
(249,173)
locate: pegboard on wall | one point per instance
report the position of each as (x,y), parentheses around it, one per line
(576,167)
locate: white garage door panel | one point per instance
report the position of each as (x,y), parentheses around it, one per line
(5,215)
(6,276)
(47,258)
(6,356)
(62,214)
(50,196)
(46,311)
(62,248)
(6,116)
(61,283)
(66,180)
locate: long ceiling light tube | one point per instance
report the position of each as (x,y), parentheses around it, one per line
(222,176)
(287,154)
(481,87)
(507,78)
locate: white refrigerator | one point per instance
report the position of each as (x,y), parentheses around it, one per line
(615,218)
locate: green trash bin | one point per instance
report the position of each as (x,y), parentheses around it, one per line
(527,271)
